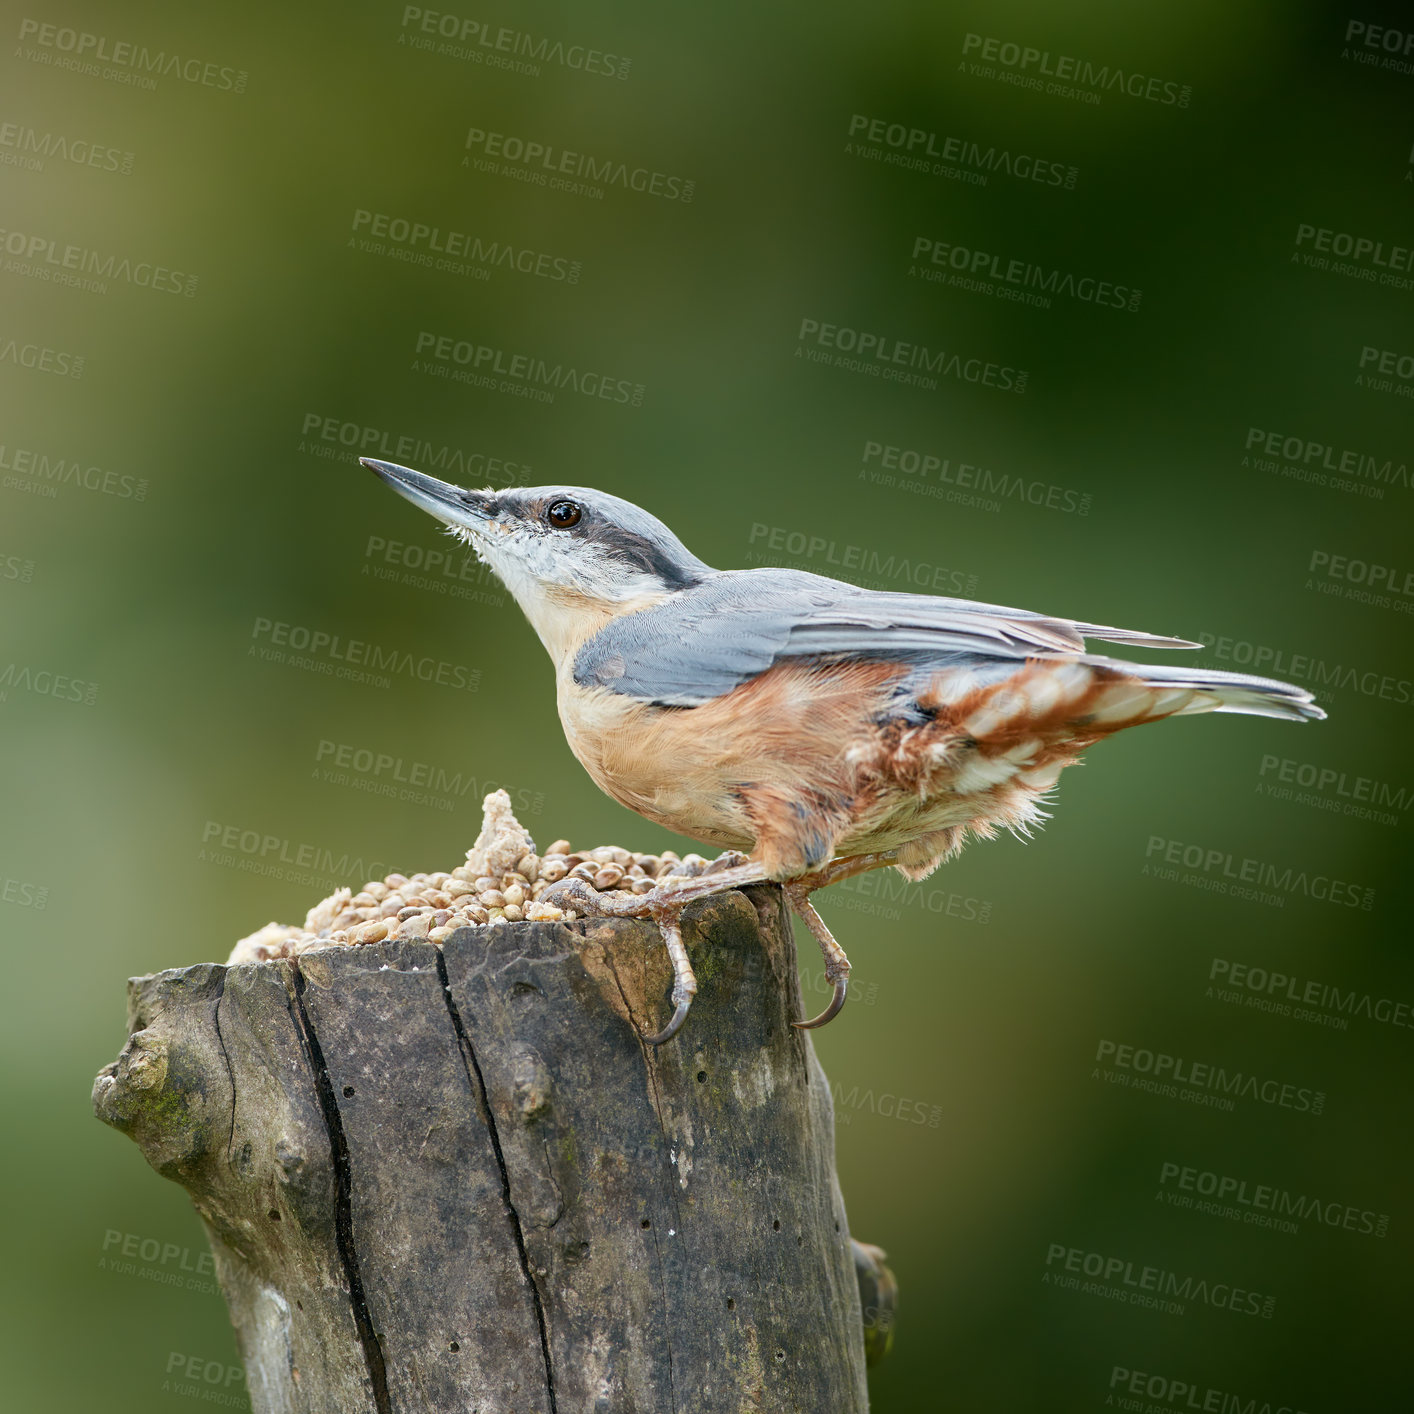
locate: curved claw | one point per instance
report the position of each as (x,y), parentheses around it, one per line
(831,1012)
(673,1027)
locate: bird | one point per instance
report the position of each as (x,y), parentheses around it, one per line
(810,728)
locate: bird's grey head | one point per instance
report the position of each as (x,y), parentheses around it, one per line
(558,549)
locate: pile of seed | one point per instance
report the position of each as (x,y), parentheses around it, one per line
(501,882)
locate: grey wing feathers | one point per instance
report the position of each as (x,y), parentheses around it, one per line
(1133,638)
(704,641)
(693,647)
(918,623)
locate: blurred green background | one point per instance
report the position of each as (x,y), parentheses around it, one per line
(976,1134)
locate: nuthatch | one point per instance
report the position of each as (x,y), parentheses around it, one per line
(826,729)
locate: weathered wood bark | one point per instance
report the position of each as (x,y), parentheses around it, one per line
(455,1179)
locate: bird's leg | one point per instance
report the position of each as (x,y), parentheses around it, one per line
(665,902)
(798,893)
(664,905)
(684,982)
(836,963)
(838,869)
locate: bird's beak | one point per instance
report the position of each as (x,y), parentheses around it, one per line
(451,504)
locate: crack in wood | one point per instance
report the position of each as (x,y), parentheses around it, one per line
(478,1083)
(225,1056)
(343,1201)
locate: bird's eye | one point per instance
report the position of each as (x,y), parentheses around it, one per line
(563,514)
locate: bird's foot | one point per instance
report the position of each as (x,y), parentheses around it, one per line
(837,968)
(665,901)
(671,891)
(836,963)
(684,979)
(664,904)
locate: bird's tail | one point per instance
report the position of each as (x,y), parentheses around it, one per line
(1210,690)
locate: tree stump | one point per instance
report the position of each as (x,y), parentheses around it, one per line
(455,1178)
